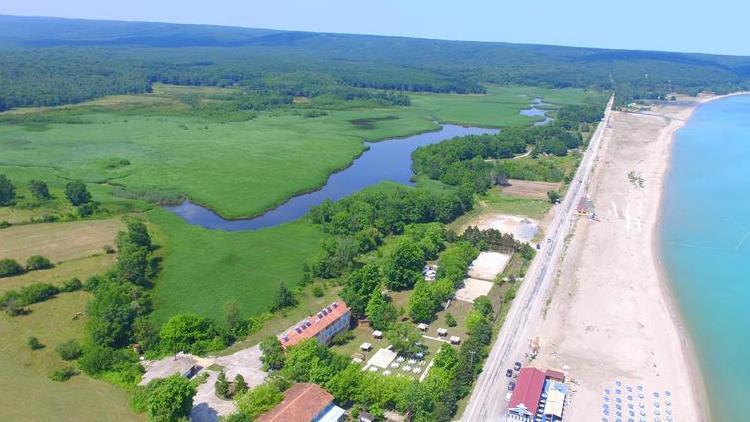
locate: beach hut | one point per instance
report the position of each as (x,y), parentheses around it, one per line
(377,334)
(442,332)
(366,346)
(422,326)
(455,339)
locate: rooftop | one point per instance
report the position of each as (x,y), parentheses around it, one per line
(528,390)
(302,402)
(314,324)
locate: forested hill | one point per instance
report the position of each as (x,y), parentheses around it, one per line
(49,61)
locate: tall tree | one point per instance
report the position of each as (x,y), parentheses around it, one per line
(7,191)
(39,190)
(380,311)
(272,354)
(405,265)
(422,303)
(171,399)
(359,286)
(77,193)
(404,338)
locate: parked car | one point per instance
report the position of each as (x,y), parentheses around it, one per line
(517,366)
(509,373)
(511,386)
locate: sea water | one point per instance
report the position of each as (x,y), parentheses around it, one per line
(705,245)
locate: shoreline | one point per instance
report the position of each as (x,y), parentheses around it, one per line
(613,315)
(698,381)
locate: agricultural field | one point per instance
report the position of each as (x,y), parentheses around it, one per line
(59,241)
(24,384)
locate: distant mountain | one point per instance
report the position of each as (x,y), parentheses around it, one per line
(135,54)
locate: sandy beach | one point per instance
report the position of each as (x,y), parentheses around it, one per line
(612,317)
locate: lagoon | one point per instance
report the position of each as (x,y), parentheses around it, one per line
(388,160)
(705,246)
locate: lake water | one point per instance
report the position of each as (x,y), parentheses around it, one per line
(533,111)
(705,243)
(388,160)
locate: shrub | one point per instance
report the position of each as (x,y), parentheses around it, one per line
(450,320)
(35,293)
(63,374)
(38,262)
(283,299)
(221,386)
(69,350)
(318,291)
(9,267)
(108,249)
(72,285)
(239,386)
(190,333)
(342,338)
(4,224)
(259,400)
(34,343)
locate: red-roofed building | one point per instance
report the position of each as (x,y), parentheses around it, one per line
(331,320)
(304,402)
(525,399)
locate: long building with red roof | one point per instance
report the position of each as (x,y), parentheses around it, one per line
(524,402)
(328,322)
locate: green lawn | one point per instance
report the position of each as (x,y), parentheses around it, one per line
(204,269)
(24,385)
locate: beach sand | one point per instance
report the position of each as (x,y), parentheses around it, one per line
(611,316)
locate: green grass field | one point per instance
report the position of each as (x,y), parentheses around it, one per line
(499,107)
(24,384)
(154,145)
(204,269)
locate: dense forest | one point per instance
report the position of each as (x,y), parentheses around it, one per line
(50,61)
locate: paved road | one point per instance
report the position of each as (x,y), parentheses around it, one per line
(487,401)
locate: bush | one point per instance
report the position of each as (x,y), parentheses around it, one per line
(221,386)
(69,350)
(342,338)
(9,267)
(259,400)
(63,374)
(283,299)
(4,224)
(34,343)
(450,320)
(72,285)
(190,333)
(77,193)
(318,291)
(35,293)
(38,262)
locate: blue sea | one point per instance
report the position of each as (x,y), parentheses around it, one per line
(705,245)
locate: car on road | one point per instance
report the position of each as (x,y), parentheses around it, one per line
(517,366)
(511,386)
(509,373)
